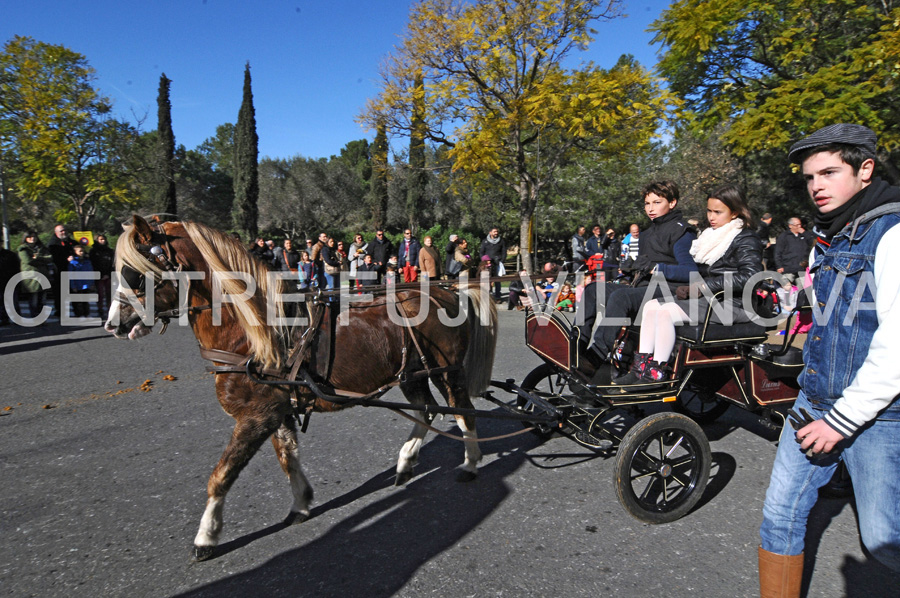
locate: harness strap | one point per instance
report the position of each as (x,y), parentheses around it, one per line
(300,355)
(235,362)
(460,438)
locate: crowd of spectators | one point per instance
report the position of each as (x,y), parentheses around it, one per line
(319,264)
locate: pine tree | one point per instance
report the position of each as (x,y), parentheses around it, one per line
(246,172)
(165,140)
(418,178)
(379,188)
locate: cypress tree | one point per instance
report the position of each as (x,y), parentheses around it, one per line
(246,171)
(418,178)
(165,143)
(379,188)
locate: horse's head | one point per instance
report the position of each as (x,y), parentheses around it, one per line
(143,291)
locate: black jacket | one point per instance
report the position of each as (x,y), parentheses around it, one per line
(742,260)
(792,251)
(103,258)
(380,251)
(658,239)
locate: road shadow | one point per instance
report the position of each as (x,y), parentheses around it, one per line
(863,578)
(376,550)
(721,472)
(21,339)
(736,418)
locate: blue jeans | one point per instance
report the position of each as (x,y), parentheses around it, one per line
(330,281)
(872,457)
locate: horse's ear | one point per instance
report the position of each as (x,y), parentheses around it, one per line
(142,230)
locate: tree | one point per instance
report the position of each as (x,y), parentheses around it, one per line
(497,94)
(219,149)
(417,182)
(378,195)
(165,184)
(779,69)
(246,153)
(68,150)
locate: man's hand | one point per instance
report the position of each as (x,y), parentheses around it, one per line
(688,292)
(818,437)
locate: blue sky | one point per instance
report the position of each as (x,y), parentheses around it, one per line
(313,62)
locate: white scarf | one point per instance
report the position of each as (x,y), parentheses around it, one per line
(714,242)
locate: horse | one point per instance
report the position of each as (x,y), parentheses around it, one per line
(368,352)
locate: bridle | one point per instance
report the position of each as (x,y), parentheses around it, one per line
(163,254)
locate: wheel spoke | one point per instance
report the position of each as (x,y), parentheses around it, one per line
(651,462)
(682,461)
(674,446)
(646,492)
(679,482)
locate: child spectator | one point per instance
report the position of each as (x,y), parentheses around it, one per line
(566,298)
(367,272)
(80,285)
(305,271)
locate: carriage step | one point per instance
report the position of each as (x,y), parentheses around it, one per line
(591,441)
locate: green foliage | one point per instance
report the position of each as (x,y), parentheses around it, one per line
(779,69)
(378,197)
(69,152)
(246,153)
(166,197)
(417,182)
(495,92)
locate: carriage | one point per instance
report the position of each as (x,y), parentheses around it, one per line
(271,379)
(663,460)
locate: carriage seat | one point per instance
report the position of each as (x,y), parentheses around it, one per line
(707,332)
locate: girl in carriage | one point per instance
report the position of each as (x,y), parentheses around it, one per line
(727,254)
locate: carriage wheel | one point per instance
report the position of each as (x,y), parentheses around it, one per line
(702,406)
(545,380)
(662,468)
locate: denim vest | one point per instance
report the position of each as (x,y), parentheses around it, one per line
(844,283)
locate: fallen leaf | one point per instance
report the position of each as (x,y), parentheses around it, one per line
(7,408)
(170,378)
(47,407)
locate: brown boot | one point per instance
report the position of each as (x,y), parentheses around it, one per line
(779,575)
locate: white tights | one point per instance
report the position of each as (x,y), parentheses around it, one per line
(658,328)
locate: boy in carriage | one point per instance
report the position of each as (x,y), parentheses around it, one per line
(850,382)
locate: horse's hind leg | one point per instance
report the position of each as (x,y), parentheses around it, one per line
(288,452)
(452,386)
(418,394)
(246,439)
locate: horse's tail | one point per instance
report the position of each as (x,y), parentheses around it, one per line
(479,359)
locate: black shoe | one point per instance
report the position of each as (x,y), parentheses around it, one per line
(629,377)
(603,375)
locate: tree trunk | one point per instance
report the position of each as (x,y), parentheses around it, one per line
(527,204)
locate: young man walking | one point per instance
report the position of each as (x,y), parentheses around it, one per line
(850,382)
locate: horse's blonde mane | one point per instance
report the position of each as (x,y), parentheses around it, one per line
(224,254)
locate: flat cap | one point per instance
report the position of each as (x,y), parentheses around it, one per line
(858,135)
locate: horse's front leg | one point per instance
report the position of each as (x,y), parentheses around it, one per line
(288,452)
(246,439)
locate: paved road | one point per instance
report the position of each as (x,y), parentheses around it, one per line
(103,484)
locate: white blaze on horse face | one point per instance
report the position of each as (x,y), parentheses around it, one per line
(114,318)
